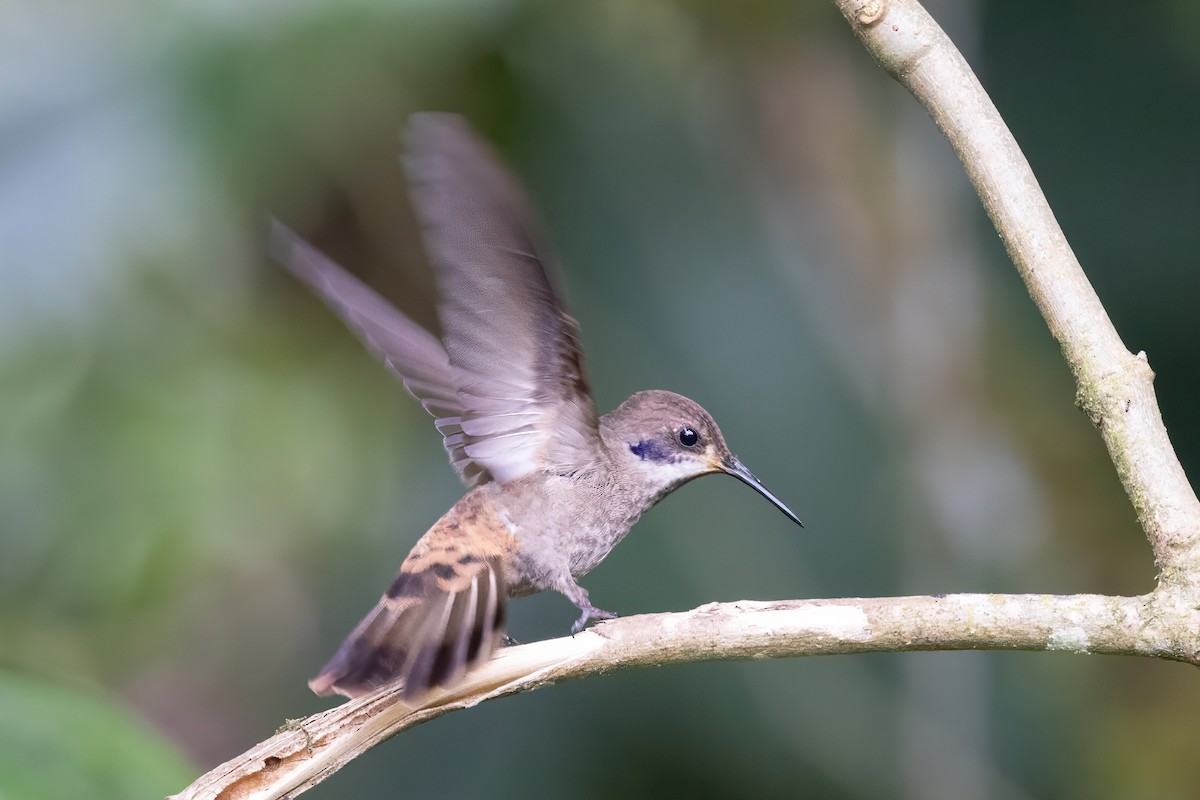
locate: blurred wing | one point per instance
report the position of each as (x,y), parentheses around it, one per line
(443,615)
(525,401)
(408,350)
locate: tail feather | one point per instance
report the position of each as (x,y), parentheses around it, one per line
(427,631)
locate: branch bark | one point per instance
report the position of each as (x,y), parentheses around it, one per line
(1115,389)
(304,753)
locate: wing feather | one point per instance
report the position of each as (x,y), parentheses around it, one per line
(407,349)
(506,385)
(506,330)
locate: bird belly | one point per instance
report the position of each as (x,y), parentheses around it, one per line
(546,554)
(563,529)
(590,547)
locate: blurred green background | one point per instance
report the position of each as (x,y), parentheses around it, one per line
(205,481)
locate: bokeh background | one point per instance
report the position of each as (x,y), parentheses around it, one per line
(205,481)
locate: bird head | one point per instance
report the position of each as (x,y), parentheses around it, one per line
(663,440)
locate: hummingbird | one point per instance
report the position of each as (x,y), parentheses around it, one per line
(553,486)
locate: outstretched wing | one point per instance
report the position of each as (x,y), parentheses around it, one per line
(442,615)
(411,352)
(524,398)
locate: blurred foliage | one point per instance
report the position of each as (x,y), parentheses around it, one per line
(204,481)
(60,742)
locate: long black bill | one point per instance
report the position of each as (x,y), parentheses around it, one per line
(738,470)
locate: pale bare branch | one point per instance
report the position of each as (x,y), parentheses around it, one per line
(1114,389)
(308,751)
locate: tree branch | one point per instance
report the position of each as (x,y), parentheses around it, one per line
(1115,389)
(306,752)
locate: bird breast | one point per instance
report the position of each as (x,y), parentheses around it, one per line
(562,523)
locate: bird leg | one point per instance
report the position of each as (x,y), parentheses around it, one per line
(579,596)
(590,613)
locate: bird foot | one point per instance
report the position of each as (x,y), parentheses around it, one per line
(508,641)
(590,613)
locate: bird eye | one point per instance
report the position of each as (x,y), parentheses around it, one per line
(688,437)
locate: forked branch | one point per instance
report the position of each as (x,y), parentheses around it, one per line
(1115,389)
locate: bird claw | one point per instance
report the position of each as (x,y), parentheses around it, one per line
(508,641)
(590,613)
